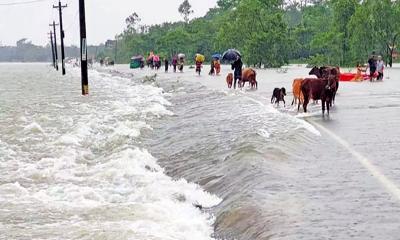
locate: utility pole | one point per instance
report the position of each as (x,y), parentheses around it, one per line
(95,54)
(55,43)
(52,49)
(116,50)
(84,72)
(62,35)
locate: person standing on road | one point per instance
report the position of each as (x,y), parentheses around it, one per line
(212,70)
(372,67)
(380,66)
(174,63)
(237,67)
(166,64)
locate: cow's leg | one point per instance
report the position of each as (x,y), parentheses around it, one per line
(272,99)
(234,83)
(334,96)
(298,107)
(299,103)
(327,106)
(305,103)
(323,106)
(284,103)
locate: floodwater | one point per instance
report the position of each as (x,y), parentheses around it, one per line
(131,160)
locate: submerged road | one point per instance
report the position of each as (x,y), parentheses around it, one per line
(346,183)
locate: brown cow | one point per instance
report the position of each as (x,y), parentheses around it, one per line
(229,80)
(296,89)
(328,71)
(318,89)
(248,75)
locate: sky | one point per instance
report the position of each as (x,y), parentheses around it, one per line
(104,18)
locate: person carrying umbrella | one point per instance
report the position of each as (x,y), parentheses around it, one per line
(237,67)
(216,63)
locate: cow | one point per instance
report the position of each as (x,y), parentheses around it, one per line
(328,71)
(278,95)
(296,89)
(318,89)
(248,75)
(229,80)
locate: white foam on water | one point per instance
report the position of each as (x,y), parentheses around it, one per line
(93,181)
(264,133)
(23,119)
(33,128)
(12,190)
(68,139)
(57,105)
(309,127)
(301,123)
(5,151)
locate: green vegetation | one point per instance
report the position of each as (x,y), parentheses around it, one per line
(268,33)
(25,51)
(271,33)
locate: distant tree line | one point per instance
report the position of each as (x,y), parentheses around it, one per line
(271,33)
(25,51)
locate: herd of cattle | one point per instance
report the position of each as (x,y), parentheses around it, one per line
(323,88)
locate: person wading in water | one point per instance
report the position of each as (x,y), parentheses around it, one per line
(237,67)
(372,67)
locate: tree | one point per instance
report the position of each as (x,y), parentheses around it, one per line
(343,11)
(227,4)
(132,22)
(373,27)
(272,32)
(258,29)
(185,9)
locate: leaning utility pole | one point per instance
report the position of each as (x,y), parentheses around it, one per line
(52,49)
(84,72)
(62,35)
(55,43)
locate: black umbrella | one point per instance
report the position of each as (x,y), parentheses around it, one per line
(231,55)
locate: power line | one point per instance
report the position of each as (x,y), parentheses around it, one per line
(22,3)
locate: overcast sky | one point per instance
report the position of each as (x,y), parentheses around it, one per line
(105,18)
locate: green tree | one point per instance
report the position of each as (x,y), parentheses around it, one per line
(373,27)
(132,22)
(258,28)
(185,9)
(343,11)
